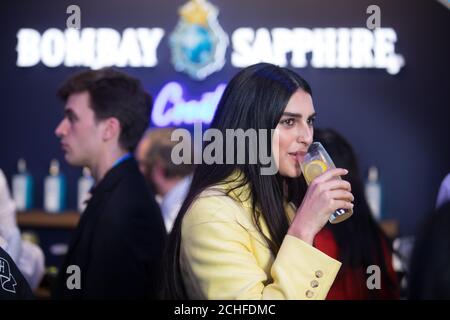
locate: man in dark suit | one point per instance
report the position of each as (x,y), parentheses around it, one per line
(117,246)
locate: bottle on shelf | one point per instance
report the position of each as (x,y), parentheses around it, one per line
(54,189)
(373,193)
(85,183)
(22,187)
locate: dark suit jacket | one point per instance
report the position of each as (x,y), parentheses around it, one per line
(119,241)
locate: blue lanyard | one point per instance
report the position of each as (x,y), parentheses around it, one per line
(122,159)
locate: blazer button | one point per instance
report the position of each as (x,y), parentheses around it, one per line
(314,283)
(309,294)
(319,274)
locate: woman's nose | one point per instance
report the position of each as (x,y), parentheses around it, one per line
(305,136)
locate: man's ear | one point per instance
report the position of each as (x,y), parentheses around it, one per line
(158,172)
(157,177)
(111,129)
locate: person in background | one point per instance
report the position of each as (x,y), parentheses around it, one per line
(429,272)
(118,243)
(143,147)
(169,181)
(357,242)
(28,256)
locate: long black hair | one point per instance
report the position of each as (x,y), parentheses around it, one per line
(360,239)
(254,99)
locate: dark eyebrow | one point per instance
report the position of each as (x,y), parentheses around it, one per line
(296,115)
(70,113)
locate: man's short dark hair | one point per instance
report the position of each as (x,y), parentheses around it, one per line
(114,94)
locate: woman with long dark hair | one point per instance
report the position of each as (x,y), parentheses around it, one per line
(359,243)
(242,234)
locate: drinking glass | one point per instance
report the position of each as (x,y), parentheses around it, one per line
(316,162)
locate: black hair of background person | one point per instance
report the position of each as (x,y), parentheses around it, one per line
(114,94)
(429,272)
(359,238)
(269,89)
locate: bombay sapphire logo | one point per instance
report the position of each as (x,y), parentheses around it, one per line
(198,43)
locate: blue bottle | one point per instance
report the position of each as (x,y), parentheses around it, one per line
(22,187)
(54,189)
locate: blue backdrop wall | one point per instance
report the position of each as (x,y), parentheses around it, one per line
(397,122)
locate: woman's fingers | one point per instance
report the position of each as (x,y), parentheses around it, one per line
(325,194)
(330,174)
(336,184)
(341,204)
(341,195)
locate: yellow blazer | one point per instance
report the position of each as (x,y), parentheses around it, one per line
(224,256)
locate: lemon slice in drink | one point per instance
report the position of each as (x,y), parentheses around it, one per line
(313,169)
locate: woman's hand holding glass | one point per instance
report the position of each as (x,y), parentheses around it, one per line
(325,195)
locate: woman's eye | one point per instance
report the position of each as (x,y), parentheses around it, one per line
(311,121)
(288,122)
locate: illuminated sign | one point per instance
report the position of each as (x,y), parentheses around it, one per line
(170,106)
(328,47)
(199,47)
(198,43)
(94,48)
